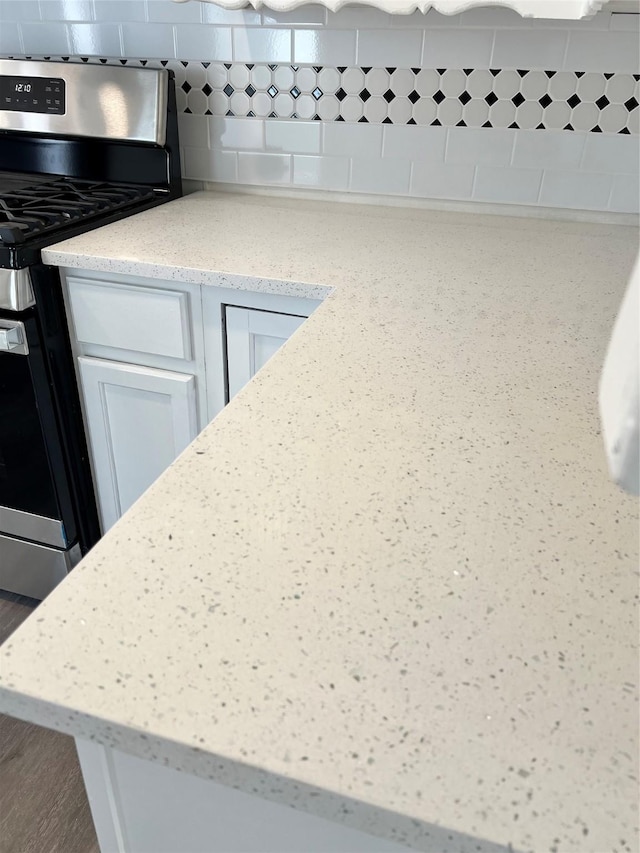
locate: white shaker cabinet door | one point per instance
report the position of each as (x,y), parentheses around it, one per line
(138,420)
(252,338)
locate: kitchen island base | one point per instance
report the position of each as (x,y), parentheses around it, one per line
(141,807)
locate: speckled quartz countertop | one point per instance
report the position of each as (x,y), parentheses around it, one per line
(391,584)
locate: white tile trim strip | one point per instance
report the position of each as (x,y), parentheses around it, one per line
(597,102)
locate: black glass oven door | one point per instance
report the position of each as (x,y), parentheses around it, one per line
(29,499)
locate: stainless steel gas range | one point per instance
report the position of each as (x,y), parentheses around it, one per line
(80,146)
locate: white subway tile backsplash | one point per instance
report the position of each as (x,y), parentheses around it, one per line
(303,16)
(429,21)
(213,14)
(168,12)
(467,146)
(580,190)
(204,165)
(19,10)
(433,179)
(148,40)
(352,140)
(611,153)
(457,48)
(264,168)
(626,22)
(261,45)
(10,37)
(360,17)
(194,131)
(95,39)
(45,38)
(595,51)
(548,150)
(493,16)
(406,142)
(324,173)
(324,47)
(119,11)
(510,186)
(530,49)
(625,195)
(66,10)
(236,133)
(372,175)
(389,47)
(199,41)
(293,137)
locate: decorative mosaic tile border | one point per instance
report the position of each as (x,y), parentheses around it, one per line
(498,98)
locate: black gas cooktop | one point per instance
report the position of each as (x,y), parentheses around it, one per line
(32,208)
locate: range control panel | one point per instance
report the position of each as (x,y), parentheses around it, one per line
(32,94)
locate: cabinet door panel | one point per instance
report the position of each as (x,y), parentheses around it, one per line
(252,338)
(138,420)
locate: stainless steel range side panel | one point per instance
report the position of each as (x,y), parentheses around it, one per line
(105,101)
(33,570)
(27,525)
(16,292)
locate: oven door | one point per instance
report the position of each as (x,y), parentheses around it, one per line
(36,550)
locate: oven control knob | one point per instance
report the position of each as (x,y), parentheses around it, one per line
(12,337)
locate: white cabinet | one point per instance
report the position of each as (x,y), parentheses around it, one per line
(138,420)
(252,337)
(153,359)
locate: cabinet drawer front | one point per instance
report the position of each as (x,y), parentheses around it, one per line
(139,319)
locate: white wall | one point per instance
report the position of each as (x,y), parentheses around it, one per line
(373,149)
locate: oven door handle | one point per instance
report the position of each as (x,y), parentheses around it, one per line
(13,338)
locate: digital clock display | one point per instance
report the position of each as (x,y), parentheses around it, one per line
(32,94)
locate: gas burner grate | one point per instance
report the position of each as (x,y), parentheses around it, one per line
(42,208)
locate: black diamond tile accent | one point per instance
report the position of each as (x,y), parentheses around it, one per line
(491,98)
(143,62)
(608,76)
(208,113)
(545,100)
(365,95)
(636,77)
(487,124)
(250,90)
(573,101)
(295,115)
(518,99)
(389,96)
(206,64)
(366,70)
(317,93)
(341,94)
(184,64)
(363,120)
(631,104)
(494,72)
(188,111)
(514,126)
(339,118)
(413,96)
(229,113)
(416,70)
(441,71)
(412,121)
(438,97)
(467,71)
(464,98)
(272,115)
(521,72)
(436,123)
(295,67)
(295,92)
(550,74)
(272,91)
(251,114)
(602,102)
(390,70)
(596,129)
(387,120)
(164,62)
(228,90)
(317,68)
(207,89)
(273,67)
(342,68)
(540,127)
(186,87)
(461,123)
(567,127)
(250,65)
(316,117)
(625,130)
(227,65)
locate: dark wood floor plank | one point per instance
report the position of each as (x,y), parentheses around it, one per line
(43,804)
